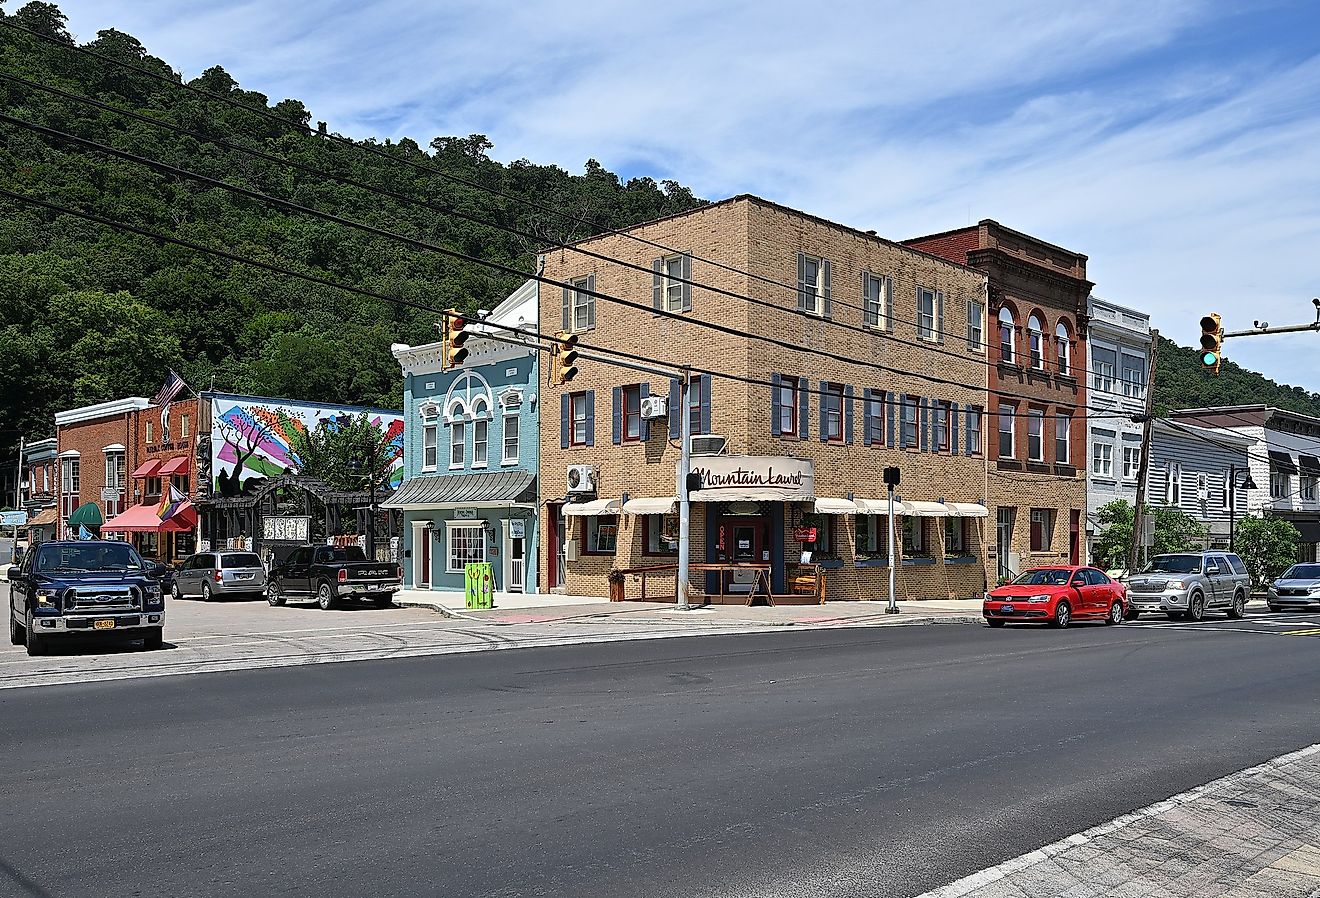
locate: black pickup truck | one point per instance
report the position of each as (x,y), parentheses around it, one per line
(100,588)
(327,574)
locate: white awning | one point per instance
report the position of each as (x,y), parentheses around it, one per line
(594,507)
(835,506)
(662,505)
(967,510)
(918,509)
(876,506)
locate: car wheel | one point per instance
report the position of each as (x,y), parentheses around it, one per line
(154,639)
(1132,613)
(206,592)
(1062,616)
(17,632)
(994,622)
(174,592)
(1196,607)
(1115,614)
(273,595)
(1238,609)
(36,645)
(325,597)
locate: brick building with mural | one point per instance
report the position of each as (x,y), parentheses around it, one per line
(1037,386)
(853,354)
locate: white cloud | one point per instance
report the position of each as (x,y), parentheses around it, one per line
(1191,185)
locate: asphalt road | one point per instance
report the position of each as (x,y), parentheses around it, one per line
(842,762)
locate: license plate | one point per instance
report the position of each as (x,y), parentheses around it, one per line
(108,624)
(1006,609)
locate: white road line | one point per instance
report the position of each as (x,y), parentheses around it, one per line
(969,884)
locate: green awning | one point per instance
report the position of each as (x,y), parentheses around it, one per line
(87,515)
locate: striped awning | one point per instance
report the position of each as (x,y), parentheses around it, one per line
(1282,462)
(501,488)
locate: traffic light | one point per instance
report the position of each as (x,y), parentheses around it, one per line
(454,338)
(1212,342)
(565,358)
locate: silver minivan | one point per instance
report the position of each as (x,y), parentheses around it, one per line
(209,575)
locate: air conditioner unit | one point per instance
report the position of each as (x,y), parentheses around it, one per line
(571,551)
(654,407)
(581,480)
(709,444)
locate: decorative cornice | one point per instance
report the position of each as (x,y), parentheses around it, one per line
(101,410)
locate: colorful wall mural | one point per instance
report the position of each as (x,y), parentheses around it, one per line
(252,437)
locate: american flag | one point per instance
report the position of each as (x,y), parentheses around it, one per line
(173,386)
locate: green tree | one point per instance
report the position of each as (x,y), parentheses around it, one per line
(1175,531)
(349,453)
(1267,545)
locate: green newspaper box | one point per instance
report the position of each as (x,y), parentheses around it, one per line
(479,585)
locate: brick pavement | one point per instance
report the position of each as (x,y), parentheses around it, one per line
(1252,834)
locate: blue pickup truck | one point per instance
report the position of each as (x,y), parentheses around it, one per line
(96,588)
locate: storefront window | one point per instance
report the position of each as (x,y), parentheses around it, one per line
(467,545)
(872,536)
(955,536)
(914,537)
(661,534)
(602,534)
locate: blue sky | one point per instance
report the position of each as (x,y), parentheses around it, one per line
(1176,143)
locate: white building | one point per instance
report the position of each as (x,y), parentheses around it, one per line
(1119,341)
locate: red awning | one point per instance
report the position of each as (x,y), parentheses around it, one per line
(147,469)
(176,465)
(143,519)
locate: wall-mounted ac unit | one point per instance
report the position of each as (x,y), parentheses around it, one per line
(709,444)
(571,551)
(581,480)
(655,407)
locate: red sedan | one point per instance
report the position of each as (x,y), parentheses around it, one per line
(1057,596)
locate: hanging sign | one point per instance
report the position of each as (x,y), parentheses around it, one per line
(517,528)
(804,534)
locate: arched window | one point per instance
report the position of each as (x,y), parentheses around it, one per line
(1036,341)
(480,431)
(1063,348)
(1006,328)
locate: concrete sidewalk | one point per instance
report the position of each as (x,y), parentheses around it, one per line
(1252,834)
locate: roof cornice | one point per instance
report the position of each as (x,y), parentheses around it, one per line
(101,410)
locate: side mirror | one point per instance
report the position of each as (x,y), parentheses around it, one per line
(13,573)
(156,570)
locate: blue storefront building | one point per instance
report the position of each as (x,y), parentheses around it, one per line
(469,493)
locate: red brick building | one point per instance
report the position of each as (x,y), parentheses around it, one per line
(93,445)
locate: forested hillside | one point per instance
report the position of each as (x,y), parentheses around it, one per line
(89,313)
(1180,382)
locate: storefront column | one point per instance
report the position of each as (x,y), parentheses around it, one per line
(778,570)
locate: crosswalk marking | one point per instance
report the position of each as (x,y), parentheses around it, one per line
(1313,632)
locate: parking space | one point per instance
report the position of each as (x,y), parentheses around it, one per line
(1259,620)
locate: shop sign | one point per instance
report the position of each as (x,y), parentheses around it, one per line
(286,529)
(517,529)
(465,514)
(733,478)
(805,534)
(13,518)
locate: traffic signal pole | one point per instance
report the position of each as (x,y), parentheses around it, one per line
(684,502)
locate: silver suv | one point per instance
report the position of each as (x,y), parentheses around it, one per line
(1188,584)
(210,575)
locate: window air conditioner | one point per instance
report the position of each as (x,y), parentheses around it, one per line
(570,550)
(709,444)
(655,407)
(581,480)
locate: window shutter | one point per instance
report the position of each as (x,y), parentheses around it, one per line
(616,429)
(566,324)
(869,316)
(824,431)
(923,425)
(825,263)
(591,304)
(848,414)
(687,287)
(889,420)
(646,423)
(705,403)
(888,287)
(953,428)
(675,422)
(774,405)
(564,422)
(802,282)
(971,308)
(804,410)
(939,316)
(591,417)
(867,395)
(969,430)
(658,284)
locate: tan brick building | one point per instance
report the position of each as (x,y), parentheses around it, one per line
(1038,365)
(807,438)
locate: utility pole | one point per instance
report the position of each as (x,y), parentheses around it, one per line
(891,480)
(18,485)
(684,504)
(1143,465)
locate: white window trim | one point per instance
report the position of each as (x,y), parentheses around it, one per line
(884,300)
(1136,468)
(1012,430)
(583,301)
(484,462)
(1036,333)
(979,346)
(505,458)
(1102,453)
(1066,442)
(450,528)
(434,427)
(457,444)
(935,333)
(818,290)
(668,283)
(1036,416)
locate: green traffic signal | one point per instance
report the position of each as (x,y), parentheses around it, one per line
(1209,359)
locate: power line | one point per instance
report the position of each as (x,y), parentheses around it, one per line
(864,330)
(507,269)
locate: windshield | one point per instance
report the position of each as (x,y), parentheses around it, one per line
(1302,572)
(1174,564)
(1044,577)
(92,557)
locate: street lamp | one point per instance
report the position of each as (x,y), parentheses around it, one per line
(1247,484)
